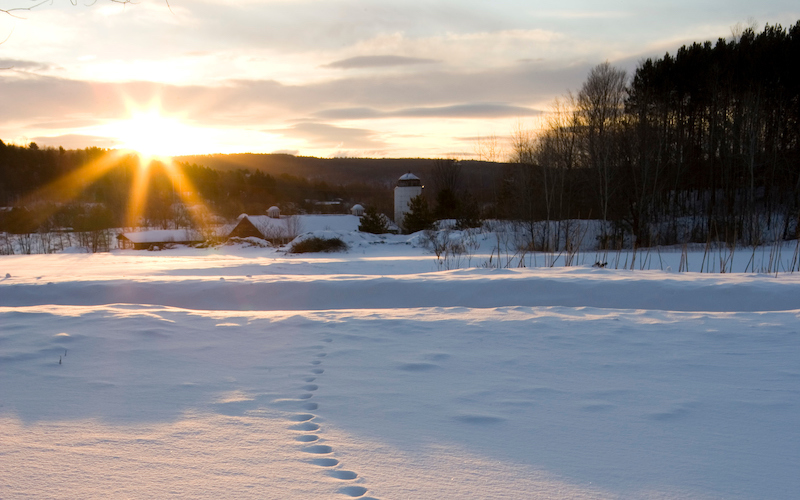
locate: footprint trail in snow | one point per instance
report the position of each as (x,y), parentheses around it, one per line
(322,454)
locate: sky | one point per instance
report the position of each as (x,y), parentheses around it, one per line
(384,78)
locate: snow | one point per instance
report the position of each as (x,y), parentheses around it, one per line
(308,223)
(246,372)
(163,235)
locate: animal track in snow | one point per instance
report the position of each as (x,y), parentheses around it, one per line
(305,426)
(325,462)
(318,449)
(353,491)
(342,474)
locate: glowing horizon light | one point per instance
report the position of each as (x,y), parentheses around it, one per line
(154,136)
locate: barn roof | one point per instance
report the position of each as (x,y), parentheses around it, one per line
(163,236)
(306,223)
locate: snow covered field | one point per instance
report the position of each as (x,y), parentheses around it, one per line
(246,373)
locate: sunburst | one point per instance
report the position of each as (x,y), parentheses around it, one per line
(152,134)
(151,138)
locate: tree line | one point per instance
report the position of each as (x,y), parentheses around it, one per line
(696,146)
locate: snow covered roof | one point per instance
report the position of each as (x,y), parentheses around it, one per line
(306,223)
(163,236)
(408,180)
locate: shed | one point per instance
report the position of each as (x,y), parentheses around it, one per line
(245,229)
(145,240)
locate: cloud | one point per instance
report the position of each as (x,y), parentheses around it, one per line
(76,141)
(64,124)
(53,103)
(378,61)
(24,65)
(584,14)
(326,135)
(477,110)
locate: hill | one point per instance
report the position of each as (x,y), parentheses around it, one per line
(384,171)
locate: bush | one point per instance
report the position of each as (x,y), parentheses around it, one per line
(317,244)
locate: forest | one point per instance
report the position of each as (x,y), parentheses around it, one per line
(697,146)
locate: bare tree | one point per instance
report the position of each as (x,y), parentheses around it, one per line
(446,174)
(601,107)
(488,148)
(524,196)
(17,11)
(557,151)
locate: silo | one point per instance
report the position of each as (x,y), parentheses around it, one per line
(408,186)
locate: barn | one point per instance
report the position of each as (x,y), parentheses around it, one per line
(158,238)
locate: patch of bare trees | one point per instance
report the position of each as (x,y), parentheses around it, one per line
(702,146)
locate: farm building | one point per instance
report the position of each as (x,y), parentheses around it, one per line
(158,238)
(285,229)
(408,186)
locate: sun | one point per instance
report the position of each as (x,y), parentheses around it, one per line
(153,136)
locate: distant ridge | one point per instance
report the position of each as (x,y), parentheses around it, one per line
(339,170)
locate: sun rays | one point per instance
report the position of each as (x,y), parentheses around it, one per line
(147,141)
(182,188)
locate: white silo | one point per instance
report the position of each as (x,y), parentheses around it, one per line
(408,186)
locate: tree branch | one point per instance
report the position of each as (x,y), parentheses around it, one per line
(11,12)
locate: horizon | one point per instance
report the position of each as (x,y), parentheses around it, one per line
(167,158)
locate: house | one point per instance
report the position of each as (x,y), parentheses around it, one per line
(158,238)
(272,227)
(245,228)
(284,229)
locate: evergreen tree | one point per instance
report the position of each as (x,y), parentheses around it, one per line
(419,217)
(447,204)
(469,215)
(373,222)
